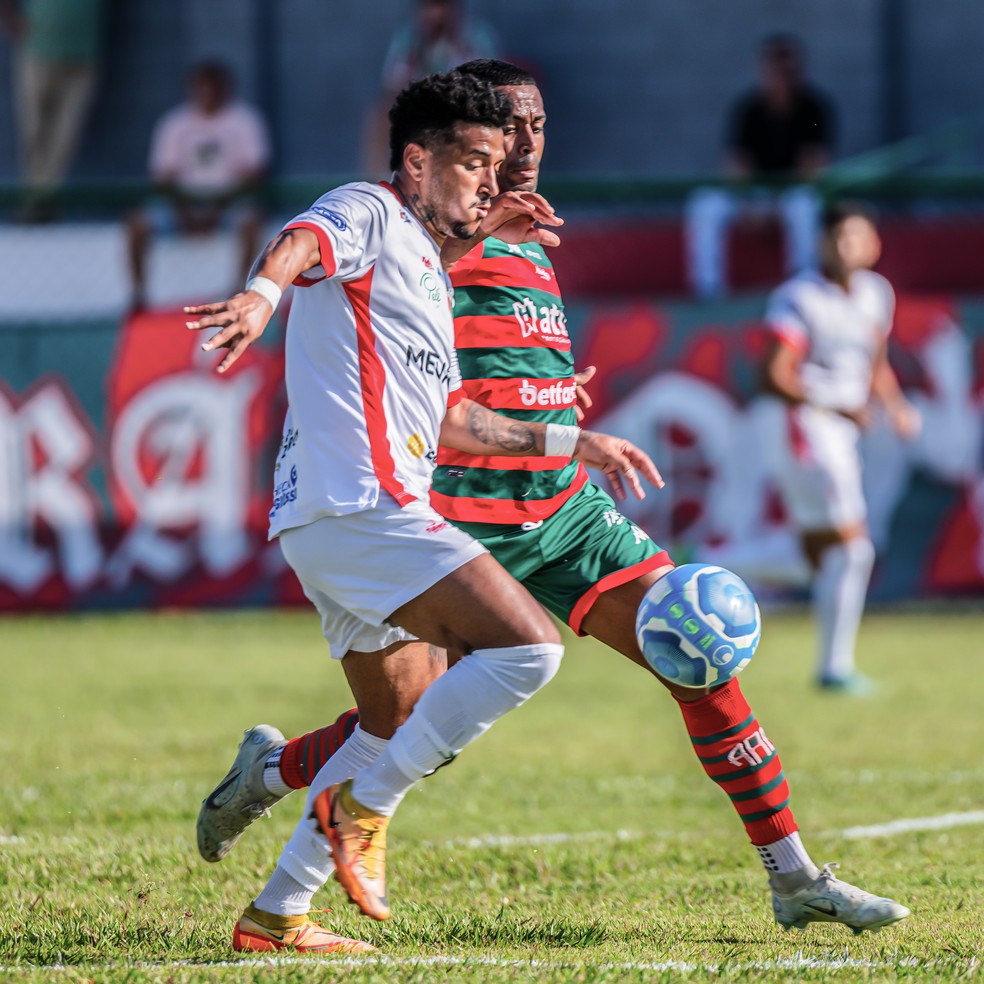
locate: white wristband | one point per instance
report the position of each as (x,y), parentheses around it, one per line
(267,289)
(560,441)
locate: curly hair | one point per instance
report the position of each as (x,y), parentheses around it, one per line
(496,72)
(428,111)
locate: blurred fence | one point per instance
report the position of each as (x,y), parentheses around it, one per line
(131,474)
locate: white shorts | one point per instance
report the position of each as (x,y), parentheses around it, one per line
(359,568)
(820,469)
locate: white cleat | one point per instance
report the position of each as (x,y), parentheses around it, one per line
(828,899)
(241,797)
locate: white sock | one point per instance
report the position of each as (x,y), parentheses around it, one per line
(839,592)
(273,781)
(784,856)
(454,710)
(284,896)
(306,858)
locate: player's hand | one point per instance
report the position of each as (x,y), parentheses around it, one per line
(241,320)
(513,217)
(581,379)
(906,420)
(620,460)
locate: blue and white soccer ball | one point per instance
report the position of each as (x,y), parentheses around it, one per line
(698,625)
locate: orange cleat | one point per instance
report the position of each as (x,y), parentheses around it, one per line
(357,838)
(264,931)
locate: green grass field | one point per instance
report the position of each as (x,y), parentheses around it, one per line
(623,862)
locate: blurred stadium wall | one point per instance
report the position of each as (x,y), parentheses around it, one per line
(631,85)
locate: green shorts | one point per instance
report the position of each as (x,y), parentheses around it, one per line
(566,561)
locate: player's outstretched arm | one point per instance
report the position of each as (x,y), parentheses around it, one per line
(903,415)
(514,217)
(242,318)
(475,429)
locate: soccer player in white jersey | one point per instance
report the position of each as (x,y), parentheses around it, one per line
(373,388)
(829,358)
(586,568)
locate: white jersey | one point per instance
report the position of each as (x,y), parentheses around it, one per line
(203,153)
(370,361)
(838,332)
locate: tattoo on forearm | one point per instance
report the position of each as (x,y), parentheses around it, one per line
(496,431)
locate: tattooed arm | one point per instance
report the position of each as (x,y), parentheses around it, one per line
(475,429)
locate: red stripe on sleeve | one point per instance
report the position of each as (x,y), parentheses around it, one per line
(789,336)
(326,248)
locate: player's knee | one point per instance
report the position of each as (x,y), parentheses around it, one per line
(525,669)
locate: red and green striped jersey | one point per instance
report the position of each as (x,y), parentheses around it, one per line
(515,357)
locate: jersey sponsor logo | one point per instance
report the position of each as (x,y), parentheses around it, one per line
(419,449)
(432,286)
(542,273)
(290,439)
(286,491)
(519,251)
(429,363)
(547,321)
(559,394)
(333,217)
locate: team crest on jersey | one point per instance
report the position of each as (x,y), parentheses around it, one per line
(406,218)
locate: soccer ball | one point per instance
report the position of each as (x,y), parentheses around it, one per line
(698,625)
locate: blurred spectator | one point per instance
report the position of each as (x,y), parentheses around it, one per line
(59,43)
(207,159)
(440,37)
(780,130)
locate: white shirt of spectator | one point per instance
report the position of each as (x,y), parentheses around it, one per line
(209,153)
(838,332)
(370,361)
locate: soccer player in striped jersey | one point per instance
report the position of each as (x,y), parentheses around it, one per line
(564,539)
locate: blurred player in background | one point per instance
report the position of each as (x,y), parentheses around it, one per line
(373,388)
(829,358)
(565,540)
(207,159)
